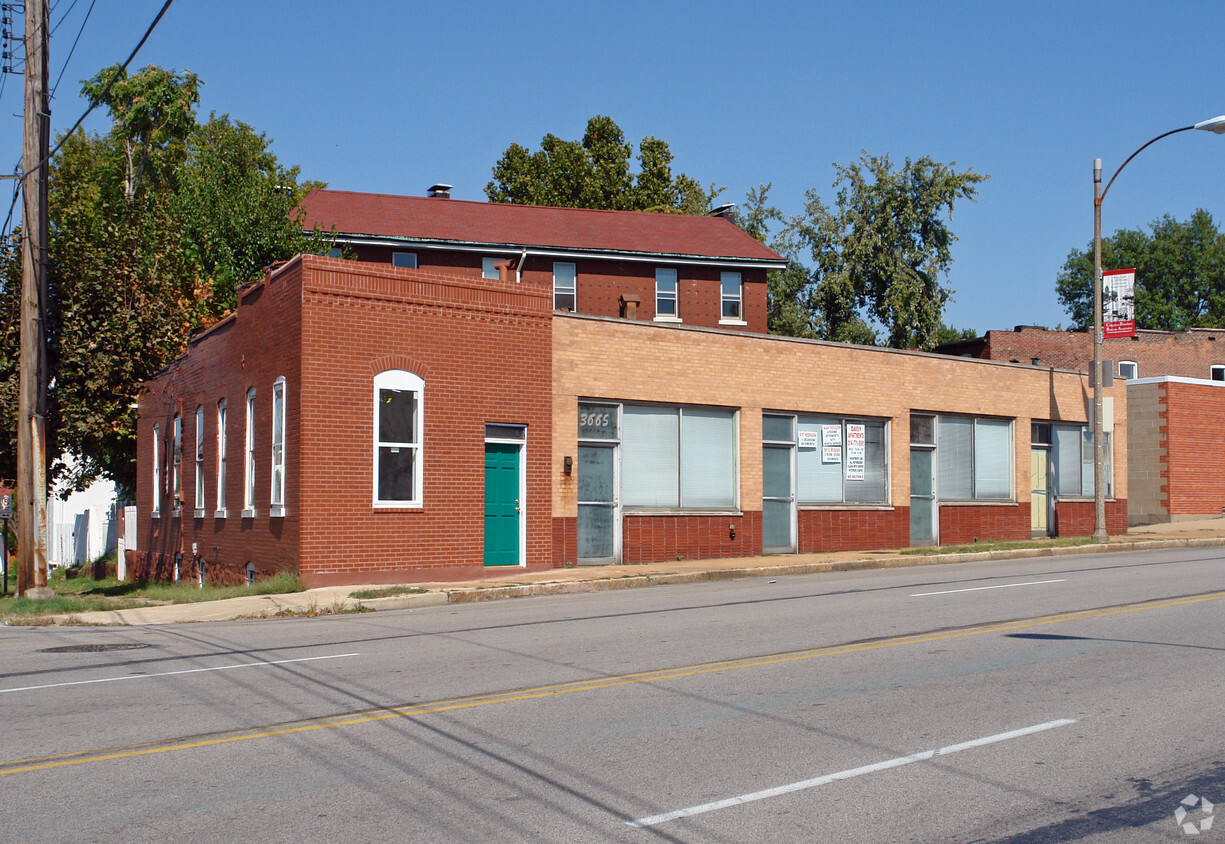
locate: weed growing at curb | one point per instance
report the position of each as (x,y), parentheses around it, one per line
(388,592)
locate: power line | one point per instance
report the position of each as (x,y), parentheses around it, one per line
(114,77)
(75,41)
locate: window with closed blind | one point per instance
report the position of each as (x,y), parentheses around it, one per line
(678,457)
(974,459)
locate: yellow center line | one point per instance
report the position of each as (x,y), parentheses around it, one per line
(413,710)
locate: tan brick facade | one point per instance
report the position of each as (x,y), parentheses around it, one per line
(621,361)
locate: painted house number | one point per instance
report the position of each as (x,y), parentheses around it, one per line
(597,422)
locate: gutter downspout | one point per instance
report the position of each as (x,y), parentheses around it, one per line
(519,266)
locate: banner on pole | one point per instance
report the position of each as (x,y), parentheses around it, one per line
(1119,303)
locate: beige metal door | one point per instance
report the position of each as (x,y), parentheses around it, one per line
(1039,498)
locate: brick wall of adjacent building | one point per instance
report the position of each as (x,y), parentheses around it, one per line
(755,373)
(601,284)
(1195,448)
(1187,354)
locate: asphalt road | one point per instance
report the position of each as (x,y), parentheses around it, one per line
(1054,699)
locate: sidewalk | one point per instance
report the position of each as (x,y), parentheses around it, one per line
(519,584)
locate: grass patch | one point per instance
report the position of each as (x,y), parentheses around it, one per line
(388,592)
(992,545)
(80,594)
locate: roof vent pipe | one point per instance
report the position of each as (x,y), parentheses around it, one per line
(440,191)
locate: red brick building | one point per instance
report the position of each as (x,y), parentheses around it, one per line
(670,268)
(1195,353)
(359,421)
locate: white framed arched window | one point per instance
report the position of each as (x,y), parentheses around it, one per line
(248,485)
(397,438)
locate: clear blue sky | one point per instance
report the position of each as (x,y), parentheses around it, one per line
(393,97)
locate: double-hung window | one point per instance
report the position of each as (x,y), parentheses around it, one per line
(665,293)
(397,434)
(176,486)
(678,457)
(565,290)
(220,513)
(408,260)
(974,458)
(248,494)
(731,294)
(1128,370)
(199,463)
(156,506)
(276,503)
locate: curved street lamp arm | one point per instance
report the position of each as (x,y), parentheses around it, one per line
(1137,152)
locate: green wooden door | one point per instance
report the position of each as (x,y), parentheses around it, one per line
(502,507)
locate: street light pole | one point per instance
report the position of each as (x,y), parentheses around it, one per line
(1217,126)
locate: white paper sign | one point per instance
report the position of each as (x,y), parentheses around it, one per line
(856,439)
(808,439)
(831,434)
(831,454)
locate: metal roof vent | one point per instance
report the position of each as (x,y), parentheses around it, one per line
(440,190)
(727,211)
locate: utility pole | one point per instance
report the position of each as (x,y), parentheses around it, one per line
(32,390)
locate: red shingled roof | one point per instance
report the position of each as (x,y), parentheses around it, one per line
(489,223)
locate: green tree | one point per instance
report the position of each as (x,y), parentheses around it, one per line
(153,225)
(596,173)
(878,254)
(1180,274)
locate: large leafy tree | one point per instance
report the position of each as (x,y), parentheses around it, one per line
(153,225)
(877,255)
(596,172)
(1180,274)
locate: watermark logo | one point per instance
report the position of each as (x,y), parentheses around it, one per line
(1184,814)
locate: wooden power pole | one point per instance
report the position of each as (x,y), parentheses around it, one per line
(32,390)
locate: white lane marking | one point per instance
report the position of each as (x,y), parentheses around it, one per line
(173,673)
(980,588)
(848,774)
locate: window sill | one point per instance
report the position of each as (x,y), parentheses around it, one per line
(732,322)
(156,514)
(220,514)
(675,319)
(836,506)
(682,511)
(176,513)
(277,511)
(398,505)
(198,513)
(249,513)
(947,503)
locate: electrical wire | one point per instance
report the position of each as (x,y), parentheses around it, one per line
(72,49)
(94,104)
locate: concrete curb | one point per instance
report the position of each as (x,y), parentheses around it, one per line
(306,603)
